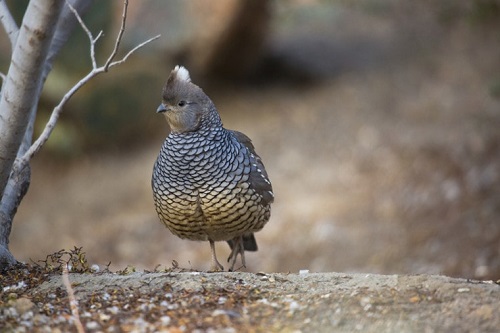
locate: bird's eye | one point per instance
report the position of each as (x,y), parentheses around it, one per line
(182,103)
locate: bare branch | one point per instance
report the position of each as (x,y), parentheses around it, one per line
(24,80)
(89,34)
(3,77)
(56,112)
(119,37)
(98,36)
(8,23)
(65,26)
(21,74)
(119,62)
(49,127)
(73,303)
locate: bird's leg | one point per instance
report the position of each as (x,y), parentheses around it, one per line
(216,266)
(238,248)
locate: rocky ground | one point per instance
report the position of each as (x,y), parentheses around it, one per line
(246,302)
(35,299)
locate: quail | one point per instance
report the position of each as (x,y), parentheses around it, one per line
(208,182)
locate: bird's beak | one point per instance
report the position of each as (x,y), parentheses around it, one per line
(162,108)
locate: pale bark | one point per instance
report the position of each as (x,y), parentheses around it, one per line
(36,72)
(23,79)
(21,85)
(8,23)
(64,28)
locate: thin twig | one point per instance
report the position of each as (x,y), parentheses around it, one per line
(88,32)
(3,77)
(56,112)
(73,303)
(119,62)
(119,37)
(9,24)
(49,127)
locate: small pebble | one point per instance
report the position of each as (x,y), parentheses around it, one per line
(92,325)
(40,319)
(294,306)
(23,304)
(113,310)
(165,320)
(104,317)
(219,312)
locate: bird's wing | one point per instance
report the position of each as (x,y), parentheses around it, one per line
(259,179)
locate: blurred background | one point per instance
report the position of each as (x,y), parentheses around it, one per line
(378,122)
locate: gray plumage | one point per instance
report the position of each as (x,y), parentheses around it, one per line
(208,182)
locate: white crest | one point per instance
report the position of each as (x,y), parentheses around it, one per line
(182,73)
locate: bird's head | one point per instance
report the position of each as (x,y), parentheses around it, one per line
(184,104)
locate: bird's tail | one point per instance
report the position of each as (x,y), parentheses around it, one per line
(249,242)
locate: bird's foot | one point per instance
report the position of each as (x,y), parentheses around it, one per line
(238,248)
(216,266)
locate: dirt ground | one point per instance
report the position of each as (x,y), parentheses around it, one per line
(247,302)
(388,164)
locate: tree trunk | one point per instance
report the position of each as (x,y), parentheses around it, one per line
(24,78)
(47,25)
(17,105)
